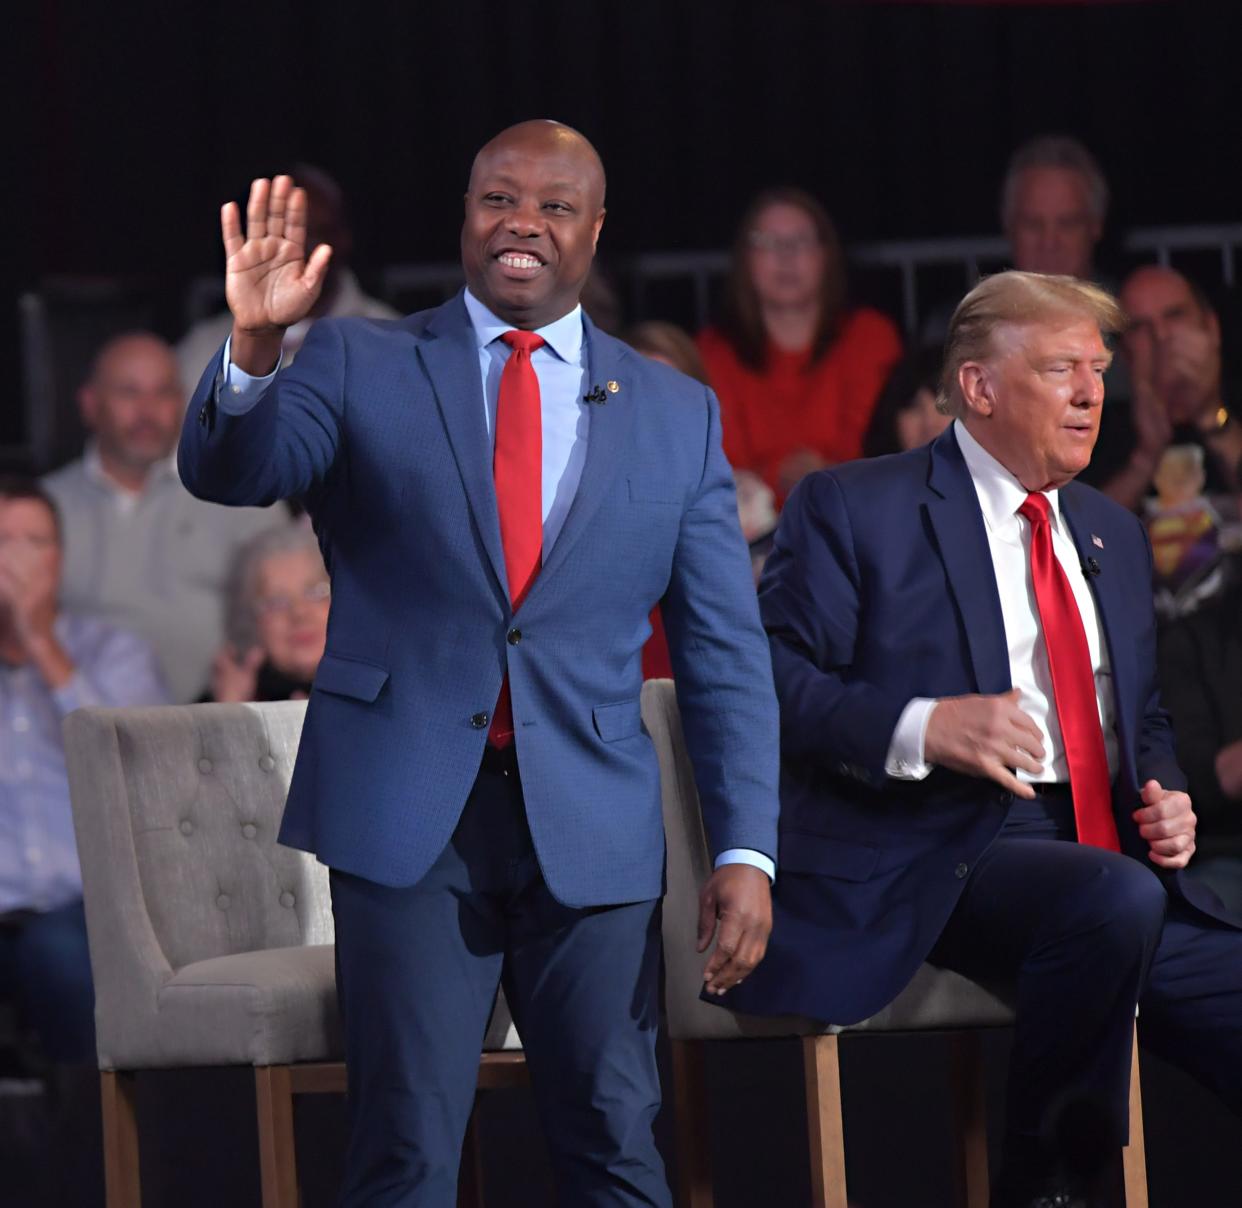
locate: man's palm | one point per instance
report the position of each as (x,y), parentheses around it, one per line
(269,282)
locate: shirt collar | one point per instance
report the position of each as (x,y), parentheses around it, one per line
(1000,493)
(563,335)
(92,465)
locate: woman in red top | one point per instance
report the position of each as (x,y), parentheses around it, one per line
(797,371)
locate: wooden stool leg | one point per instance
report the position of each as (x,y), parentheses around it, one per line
(1134,1156)
(277,1160)
(120,1140)
(470,1176)
(823,1117)
(694,1173)
(970,1124)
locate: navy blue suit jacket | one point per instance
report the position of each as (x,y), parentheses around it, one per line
(880,588)
(380,427)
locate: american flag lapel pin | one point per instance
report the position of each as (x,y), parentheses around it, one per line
(1096,541)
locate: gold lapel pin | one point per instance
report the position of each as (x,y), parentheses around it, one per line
(613,387)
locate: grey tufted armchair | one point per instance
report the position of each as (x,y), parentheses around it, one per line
(210,943)
(936,1000)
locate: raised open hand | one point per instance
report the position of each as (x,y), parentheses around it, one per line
(269,282)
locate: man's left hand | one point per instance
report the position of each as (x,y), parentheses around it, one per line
(1167,822)
(739,898)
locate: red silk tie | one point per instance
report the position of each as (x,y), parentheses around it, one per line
(517,466)
(1073,684)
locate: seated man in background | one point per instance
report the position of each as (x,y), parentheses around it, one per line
(278,600)
(1173,352)
(50,664)
(139,550)
(976,770)
(1201,681)
(327,221)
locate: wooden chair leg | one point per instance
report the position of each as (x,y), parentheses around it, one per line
(970,1124)
(278,1169)
(120,1140)
(823,1117)
(1134,1155)
(690,1124)
(470,1177)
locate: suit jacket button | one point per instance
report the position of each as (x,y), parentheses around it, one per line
(961,870)
(513,637)
(479,721)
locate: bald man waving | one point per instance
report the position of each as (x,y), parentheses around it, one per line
(502,493)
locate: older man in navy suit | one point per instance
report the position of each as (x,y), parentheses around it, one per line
(976,770)
(502,494)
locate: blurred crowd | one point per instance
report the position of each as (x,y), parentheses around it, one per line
(117,587)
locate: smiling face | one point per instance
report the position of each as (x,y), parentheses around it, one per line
(1034,402)
(534,210)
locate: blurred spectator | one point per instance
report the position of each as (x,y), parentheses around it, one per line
(139,550)
(906,415)
(1053,205)
(51,663)
(278,596)
(327,221)
(797,370)
(1172,350)
(668,344)
(600,300)
(1201,686)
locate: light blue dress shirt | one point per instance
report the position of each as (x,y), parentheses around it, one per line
(560,365)
(38,856)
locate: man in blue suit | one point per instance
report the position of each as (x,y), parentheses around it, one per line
(473,766)
(963,647)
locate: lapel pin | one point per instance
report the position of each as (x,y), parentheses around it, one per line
(596,395)
(613,387)
(1096,541)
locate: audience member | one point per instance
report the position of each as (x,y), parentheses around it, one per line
(51,662)
(139,550)
(906,414)
(327,221)
(1054,201)
(1172,349)
(668,344)
(797,370)
(1201,683)
(277,621)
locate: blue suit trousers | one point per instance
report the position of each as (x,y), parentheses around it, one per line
(418,969)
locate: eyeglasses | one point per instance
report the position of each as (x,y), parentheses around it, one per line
(794,245)
(28,541)
(316,593)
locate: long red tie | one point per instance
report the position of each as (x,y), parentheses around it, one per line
(1073,684)
(517,466)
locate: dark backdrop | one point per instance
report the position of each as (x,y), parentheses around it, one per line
(147,116)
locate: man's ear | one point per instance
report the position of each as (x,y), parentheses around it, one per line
(974,381)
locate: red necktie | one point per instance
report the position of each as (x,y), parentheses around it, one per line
(517,466)
(1073,684)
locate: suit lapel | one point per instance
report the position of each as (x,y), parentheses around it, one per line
(451,358)
(958,525)
(607,440)
(1109,592)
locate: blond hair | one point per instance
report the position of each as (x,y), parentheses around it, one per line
(1017,298)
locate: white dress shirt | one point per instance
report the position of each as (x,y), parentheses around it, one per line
(561,370)
(1009,542)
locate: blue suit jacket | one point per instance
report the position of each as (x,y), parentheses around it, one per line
(380,427)
(880,588)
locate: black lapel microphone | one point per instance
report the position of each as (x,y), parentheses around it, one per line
(1090,568)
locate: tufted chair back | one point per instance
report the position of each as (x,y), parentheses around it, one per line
(176,811)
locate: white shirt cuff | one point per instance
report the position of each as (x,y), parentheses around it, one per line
(905,752)
(236,390)
(744,855)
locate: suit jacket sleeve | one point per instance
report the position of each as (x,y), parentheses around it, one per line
(812,602)
(721,664)
(285,445)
